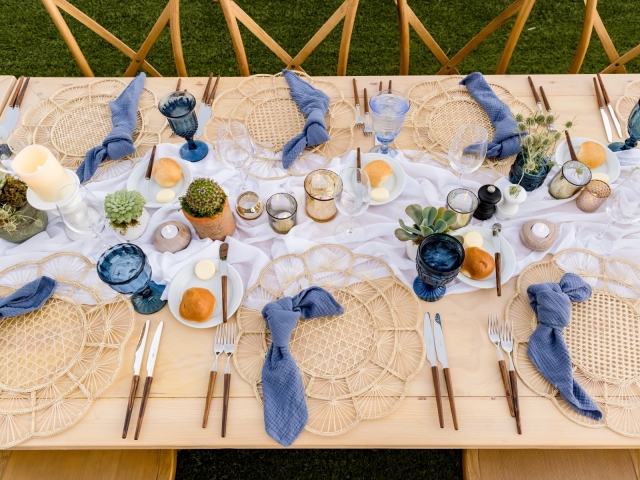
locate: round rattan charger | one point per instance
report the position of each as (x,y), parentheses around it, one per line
(626,102)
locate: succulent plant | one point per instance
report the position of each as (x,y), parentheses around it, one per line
(426,221)
(204,199)
(13,191)
(123,209)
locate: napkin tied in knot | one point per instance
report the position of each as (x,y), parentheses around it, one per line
(27,298)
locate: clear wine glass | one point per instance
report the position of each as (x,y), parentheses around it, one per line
(468,149)
(388,111)
(352,194)
(235,148)
(623,206)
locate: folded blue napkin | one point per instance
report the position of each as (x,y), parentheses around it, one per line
(547,349)
(506,141)
(285,407)
(27,298)
(313,104)
(118,143)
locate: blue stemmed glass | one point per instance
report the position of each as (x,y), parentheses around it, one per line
(388,111)
(126,269)
(633,128)
(438,261)
(179,108)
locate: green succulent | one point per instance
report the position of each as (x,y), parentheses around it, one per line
(426,221)
(123,209)
(204,199)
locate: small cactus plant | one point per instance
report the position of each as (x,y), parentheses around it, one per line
(204,199)
(426,220)
(123,209)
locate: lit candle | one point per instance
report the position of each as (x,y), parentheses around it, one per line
(40,170)
(169,232)
(540,230)
(319,199)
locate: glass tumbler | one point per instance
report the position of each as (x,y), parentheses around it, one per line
(463,202)
(282,209)
(593,195)
(572,177)
(179,108)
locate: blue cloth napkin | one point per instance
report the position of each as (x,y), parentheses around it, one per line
(506,141)
(27,298)
(313,104)
(118,143)
(547,349)
(285,407)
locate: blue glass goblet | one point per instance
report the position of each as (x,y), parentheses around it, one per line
(633,128)
(388,111)
(438,261)
(179,108)
(125,268)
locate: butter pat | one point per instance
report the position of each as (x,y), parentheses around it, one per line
(165,195)
(379,194)
(205,269)
(600,176)
(473,239)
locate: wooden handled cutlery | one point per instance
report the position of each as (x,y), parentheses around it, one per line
(137,363)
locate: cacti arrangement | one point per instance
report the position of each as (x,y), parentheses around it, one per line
(204,199)
(123,209)
(426,220)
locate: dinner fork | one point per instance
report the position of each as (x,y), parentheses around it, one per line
(229,342)
(359,122)
(368,131)
(493,328)
(506,338)
(218,348)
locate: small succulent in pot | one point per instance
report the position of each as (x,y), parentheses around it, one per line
(426,221)
(123,209)
(206,206)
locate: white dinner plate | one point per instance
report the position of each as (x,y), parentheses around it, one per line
(136,181)
(186,278)
(507,258)
(394,184)
(611,166)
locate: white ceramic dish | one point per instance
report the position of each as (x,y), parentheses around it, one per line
(136,181)
(394,184)
(186,278)
(507,258)
(611,167)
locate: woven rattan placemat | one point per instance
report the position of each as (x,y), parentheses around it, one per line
(354,366)
(603,336)
(626,102)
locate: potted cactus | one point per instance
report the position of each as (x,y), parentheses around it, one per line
(19,221)
(426,221)
(206,206)
(126,213)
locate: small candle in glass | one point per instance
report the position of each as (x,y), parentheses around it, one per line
(40,170)
(282,209)
(319,199)
(593,195)
(463,202)
(572,177)
(540,230)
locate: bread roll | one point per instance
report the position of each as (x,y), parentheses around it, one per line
(592,154)
(197,305)
(477,264)
(378,171)
(166,172)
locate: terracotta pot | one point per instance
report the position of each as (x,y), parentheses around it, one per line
(217,228)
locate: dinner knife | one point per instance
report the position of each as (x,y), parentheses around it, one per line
(204,112)
(431,356)
(607,100)
(151,363)
(12,115)
(147,174)
(535,95)
(605,119)
(376,142)
(224,268)
(441,351)
(496,229)
(137,363)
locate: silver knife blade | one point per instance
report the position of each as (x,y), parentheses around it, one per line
(439,338)
(607,125)
(428,339)
(224,268)
(142,341)
(496,240)
(615,120)
(153,350)
(9,122)
(204,114)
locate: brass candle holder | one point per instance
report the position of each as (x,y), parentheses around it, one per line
(319,199)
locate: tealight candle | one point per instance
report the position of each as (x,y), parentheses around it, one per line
(40,170)
(282,209)
(463,202)
(319,199)
(540,230)
(169,231)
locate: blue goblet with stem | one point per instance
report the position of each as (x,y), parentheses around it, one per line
(179,108)
(126,269)
(388,111)
(438,262)
(633,128)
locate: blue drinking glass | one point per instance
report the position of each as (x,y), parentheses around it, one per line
(180,110)
(125,268)
(633,128)
(388,111)
(438,261)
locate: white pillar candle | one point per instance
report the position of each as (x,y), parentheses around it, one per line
(540,230)
(40,170)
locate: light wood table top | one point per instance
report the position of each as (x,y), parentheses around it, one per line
(173,418)
(7,82)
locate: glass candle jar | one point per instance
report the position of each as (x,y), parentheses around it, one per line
(593,195)
(569,180)
(319,188)
(463,202)
(282,209)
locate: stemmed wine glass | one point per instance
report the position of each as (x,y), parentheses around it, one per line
(468,149)
(235,148)
(352,194)
(623,206)
(388,111)
(633,128)
(179,108)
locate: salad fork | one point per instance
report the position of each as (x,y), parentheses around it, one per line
(359,122)
(493,328)
(229,342)
(218,348)
(507,346)
(368,131)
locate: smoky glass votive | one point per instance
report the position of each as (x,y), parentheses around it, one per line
(463,202)
(319,187)
(593,195)
(571,178)
(282,209)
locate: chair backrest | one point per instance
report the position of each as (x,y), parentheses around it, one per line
(233,13)
(406,17)
(138,59)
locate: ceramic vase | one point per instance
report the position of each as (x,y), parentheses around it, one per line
(508,207)
(34,221)
(411,249)
(133,233)
(526,180)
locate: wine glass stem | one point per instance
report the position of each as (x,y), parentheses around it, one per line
(192,144)
(384,147)
(103,238)
(243,180)
(459,179)
(147,292)
(350,230)
(604,230)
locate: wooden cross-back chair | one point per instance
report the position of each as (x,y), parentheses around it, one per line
(233,13)
(170,14)
(406,17)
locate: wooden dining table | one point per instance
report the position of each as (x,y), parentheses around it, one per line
(7,82)
(173,418)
